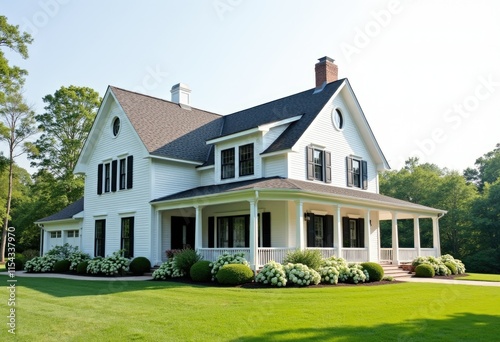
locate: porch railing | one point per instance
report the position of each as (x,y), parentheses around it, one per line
(428,252)
(277,254)
(355,254)
(385,254)
(211,254)
(325,252)
(406,254)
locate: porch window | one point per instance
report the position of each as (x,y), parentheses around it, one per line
(319,231)
(100,237)
(357,173)
(246,160)
(353,232)
(233,231)
(319,165)
(127,237)
(227,163)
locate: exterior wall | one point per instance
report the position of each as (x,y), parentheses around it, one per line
(340,143)
(113,206)
(169,177)
(206,177)
(275,166)
(63,226)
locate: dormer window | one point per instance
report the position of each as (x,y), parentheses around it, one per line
(227,163)
(246,160)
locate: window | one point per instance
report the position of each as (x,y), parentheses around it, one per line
(233,231)
(246,160)
(116,126)
(55,235)
(123,173)
(100,238)
(73,233)
(319,165)
(227,163)
(337,119)
(319,230)
(107,177)
(357,173)
(353,232)
(127,239)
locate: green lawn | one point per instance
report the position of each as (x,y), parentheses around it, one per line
(480,276)
(62,310)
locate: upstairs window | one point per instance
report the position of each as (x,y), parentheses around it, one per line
(227,163)
(246,160)
(107,177)
(113,176)
(123,173)
(319,165)
(357,173)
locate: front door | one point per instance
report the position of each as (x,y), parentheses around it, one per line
(182,232)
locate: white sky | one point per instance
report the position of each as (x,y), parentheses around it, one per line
(426,73)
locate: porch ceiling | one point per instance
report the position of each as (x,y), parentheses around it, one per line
(276,184)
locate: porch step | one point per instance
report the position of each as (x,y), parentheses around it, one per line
(394,271)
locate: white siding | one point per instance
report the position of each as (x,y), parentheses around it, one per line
(113,206)
(169,177)
(275,166)
(340,143)
(206,177)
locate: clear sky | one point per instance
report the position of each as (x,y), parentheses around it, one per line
(426,73)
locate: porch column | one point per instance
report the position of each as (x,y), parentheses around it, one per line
(435,236)
(337,232)
(198,224)
(254,246)
(367,235)
(416,234)
(159,237)
(299,208)
(395,243)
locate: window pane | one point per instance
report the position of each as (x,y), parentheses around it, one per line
(239,231)
(107,180)
(318,164)
(318,231)
(123,174)
(223,232)
(246,160)
(356,173)
(227,163)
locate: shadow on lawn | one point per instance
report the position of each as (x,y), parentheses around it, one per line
(458,327)
(58,287)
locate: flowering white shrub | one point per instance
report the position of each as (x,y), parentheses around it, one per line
(353,273)
(334,262)
(272,274)
(114,264)
(301,275)
(436,263)
(329,274)
(458,264)
(225,259)
(168,270)
(76,258)
(41,264)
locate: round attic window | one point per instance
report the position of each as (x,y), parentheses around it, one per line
(337,119)
(116,126)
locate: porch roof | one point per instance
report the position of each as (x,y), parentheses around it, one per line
(279,183)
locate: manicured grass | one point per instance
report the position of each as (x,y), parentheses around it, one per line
(83,310)
(480,276)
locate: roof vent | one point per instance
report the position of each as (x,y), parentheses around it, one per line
(181,94)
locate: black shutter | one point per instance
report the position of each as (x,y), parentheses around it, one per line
(364,174)
(310,231)
(99,179)
(328,167)
(328,231)
(131,243)
(310,163)
(211,232)
(266,229)
(114,170)
(247,231)
(130,172)
(346,237)
(361,233)
(350,180)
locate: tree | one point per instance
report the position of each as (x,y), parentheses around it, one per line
(487,169)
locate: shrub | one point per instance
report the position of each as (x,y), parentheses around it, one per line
(301,275)
(309,257)
(329,274)
(111,265)
(272,274)
(167,270)
(18,264)
(334,262)
(485,261)
(436,263)
(82,267)
(170,253)
(41,264)
(375,271)
(201,271)
(353,273)
(451,266)
(30,254)
(425,271)
(459,266)
(388,278)
(185,259)
(21,257)
(140,265)
(62,266)
(226,259)
(62,252)
(234,274)
(76,258)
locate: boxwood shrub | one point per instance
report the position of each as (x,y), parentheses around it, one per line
(140,265)
(18,264)
(234,274)
(201,271)
(425,271)
(62,266)
(375,271)
(451,266)
(185,259)
(81,268)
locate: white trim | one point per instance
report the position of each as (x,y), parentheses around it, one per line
(208,167)
(126,213)
(152,156)
(233,136)
(265,155)
(319,212)
(267,127)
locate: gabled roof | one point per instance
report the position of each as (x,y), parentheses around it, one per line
(168,130)
(66,213)
(280,183)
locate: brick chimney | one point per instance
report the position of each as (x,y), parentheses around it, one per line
(326,71)
(181,94)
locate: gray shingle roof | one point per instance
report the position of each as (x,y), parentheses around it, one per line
(291,184)
(168,130)
(66,213)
